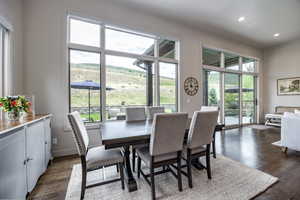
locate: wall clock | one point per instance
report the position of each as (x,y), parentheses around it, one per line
(191,86)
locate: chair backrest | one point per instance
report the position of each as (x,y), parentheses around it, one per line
(79,133)
(167,133)
(202,128)
(135,114)
(209,108)
(151,111)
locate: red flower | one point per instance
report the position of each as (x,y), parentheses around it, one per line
(13,103)
(1,104)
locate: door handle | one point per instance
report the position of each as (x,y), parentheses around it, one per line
(29,159)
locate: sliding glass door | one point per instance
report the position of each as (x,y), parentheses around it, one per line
(212,89)
(231,99)
(234,93)
(248,99)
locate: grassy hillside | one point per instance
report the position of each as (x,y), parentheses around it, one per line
(128,86)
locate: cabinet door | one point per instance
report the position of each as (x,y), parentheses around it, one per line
(35,147)
(47,141)
(13,166)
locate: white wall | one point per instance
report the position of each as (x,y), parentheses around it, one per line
(45,53)
(12,12)
(280,62)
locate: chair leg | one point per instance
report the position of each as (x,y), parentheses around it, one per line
(139,167)
(121,166)
(179,171)
(133,159)
(152,181)
(208,161)
(83,181)
(214,145)
(117,168)
(189,170)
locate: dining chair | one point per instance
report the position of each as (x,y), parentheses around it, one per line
(162,151)
(200,135)
(93,158)
(152,110)
(212,108)
(134,114)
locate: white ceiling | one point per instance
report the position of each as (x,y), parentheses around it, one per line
(263,18)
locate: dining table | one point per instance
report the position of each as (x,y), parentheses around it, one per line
(123,134)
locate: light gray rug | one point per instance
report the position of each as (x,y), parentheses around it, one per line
(260,127)
(230,181)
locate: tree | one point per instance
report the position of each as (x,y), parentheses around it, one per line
(212,97)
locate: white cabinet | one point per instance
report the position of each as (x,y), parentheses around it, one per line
(24,156)
(47,126)
(35,151)
(13,166)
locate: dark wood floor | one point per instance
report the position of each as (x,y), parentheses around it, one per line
(249,146)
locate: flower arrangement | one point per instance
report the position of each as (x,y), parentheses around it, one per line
(14,105)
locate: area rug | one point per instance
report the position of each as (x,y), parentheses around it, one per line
(231,180)
(261,127)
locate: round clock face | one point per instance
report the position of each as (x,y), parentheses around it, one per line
(191,86)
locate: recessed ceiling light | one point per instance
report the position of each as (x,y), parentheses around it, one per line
(276,34)
(241,19)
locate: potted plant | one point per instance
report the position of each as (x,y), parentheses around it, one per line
(14,106)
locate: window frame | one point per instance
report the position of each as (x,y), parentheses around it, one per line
(240,71)
(4,58)
(103,52)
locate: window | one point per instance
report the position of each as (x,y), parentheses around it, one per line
(122,69)
(118,40)
(85,84)
(212,88)
(167,49)
(249,99)
(231,61)
(249,64)
(167,80)
(232,86)
(211,57)
(84,33)
(4,58)
(127,82)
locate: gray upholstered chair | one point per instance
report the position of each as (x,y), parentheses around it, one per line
(162,151)
(135,114)
(212,108)
(93,158)
(152,110)
(200,135)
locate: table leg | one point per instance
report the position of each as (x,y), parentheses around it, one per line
(130,181)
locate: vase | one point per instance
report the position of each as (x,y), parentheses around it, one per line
(13,115)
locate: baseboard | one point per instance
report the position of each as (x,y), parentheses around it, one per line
(63,152)
(66,152)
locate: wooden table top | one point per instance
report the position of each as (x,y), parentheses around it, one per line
(6,126)
(114,132)
(119,132)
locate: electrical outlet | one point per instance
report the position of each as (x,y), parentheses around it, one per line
(54,140)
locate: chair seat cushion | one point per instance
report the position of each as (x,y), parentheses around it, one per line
(193,151)
(144,154)
(98,157)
